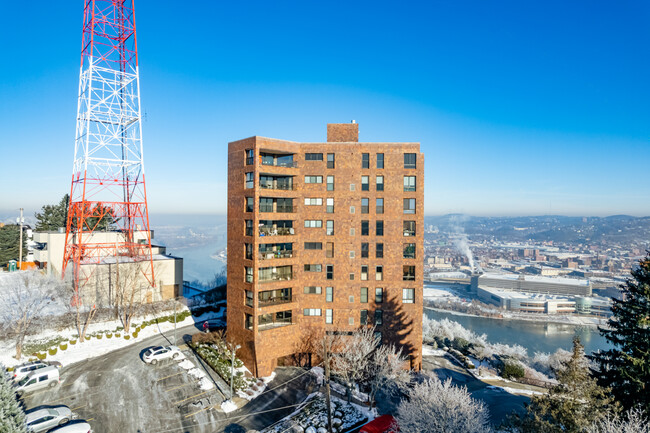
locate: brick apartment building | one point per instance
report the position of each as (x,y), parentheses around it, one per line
(323,237)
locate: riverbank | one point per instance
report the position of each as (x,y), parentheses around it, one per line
(592,322)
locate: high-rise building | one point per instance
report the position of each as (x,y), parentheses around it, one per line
(323,237)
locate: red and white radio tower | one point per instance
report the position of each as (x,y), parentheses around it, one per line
(108,186)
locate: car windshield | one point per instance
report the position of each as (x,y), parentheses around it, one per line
(23,380)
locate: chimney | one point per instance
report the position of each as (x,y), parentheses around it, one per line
(343,132)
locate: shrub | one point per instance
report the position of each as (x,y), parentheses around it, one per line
(512,369)
(52,352)
(117,335)
(73,342)
(41,356)
(63,347)
(127,337)
(135,334)
(461,345)
(99,336)
(137,329)
(109,335)
(11,368)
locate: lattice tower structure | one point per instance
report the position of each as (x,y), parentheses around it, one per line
(108,190)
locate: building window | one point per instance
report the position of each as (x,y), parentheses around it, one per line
(379,183)
(330,160)
(266,205)
(248,321)
(365,160)
(313,202)
(249,274)
(408,296)
(250,204)
(379,317)
(379,228)
(313,245)
(329,250)
(364,273)
(408,272)
(329,294)
(364,250)
(329,205)
(329,227)
(312,312)
(409,160)
(379,273)
(409,183)
(329,272)
(249,298)
(314,224)
(409,205)
(363,298)
(380,160)
(249,227)
(409,228)
(365,183)
(272,297)
(365,205)
(352,231)
(271,320)
(351,254)
(363,317)
(409,251)
(250,156)
(351,209)
(329,319)
(313,179)
(249,251)
(330,183)
(351,321)
(351,276)
(250,180)
(351,299)
(379,250)
(313,290)
(313,156)
(365,227)
(313,268)
(379,295)
(352,187)
(380,205)
(274,273)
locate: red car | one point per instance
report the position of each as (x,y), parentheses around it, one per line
(383,424)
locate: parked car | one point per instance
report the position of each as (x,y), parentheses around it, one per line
(382,424)
(155,354)
(41,420)
(24,369)
(38,379)
(81,427)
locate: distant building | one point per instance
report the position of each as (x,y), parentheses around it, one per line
(48,255)
(526,303)
(533,284)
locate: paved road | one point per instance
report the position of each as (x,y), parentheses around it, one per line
(118,393)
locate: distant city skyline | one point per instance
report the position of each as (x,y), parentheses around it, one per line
(520,109)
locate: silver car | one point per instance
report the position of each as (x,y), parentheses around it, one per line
(41,420)
(155,354)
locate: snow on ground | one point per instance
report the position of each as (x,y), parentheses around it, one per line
(430,351)
(228,406)
(516,390)
(206,384)
(438,293)
(197,372)
(94,347)
(186,365)
(268,379)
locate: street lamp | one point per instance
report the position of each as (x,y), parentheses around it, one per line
(20,221)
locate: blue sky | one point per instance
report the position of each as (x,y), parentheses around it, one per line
(521,108)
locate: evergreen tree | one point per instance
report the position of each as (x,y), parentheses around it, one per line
(52,217)
(569,407)
(9,243)
(12,416)
(626,367)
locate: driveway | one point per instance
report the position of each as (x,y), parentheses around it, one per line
(118,393)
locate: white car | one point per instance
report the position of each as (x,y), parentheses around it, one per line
(155,354)
(41,420)
(23,370)
(81,427)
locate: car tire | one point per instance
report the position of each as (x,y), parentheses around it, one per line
(154,361)
(52,384)
(64,421)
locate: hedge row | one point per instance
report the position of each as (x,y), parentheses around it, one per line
(221,364)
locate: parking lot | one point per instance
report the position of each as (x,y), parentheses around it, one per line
(118,392)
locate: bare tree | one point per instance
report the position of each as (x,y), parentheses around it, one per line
(386,371)
(633,421)
(352,361)
(131,291)
(26,297)
(436,407)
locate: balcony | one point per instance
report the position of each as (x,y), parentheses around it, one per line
(269,255)
(273,320)
(274,297)
(275,273)
(276,205)
(277,160)
(276,228)
(280,183)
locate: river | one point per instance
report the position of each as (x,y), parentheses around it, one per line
(534,336)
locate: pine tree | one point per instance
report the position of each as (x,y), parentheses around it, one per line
(52,217)
(9,243)
(626,367)
(12,417)
(572,405)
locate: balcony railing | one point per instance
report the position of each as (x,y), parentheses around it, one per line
(275,301)
(276,324)
(409,232)
(276,163)
(280,276)
(268,255)
(277,186)
(279,231)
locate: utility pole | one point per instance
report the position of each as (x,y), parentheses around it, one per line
(21,220)
(174,322)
